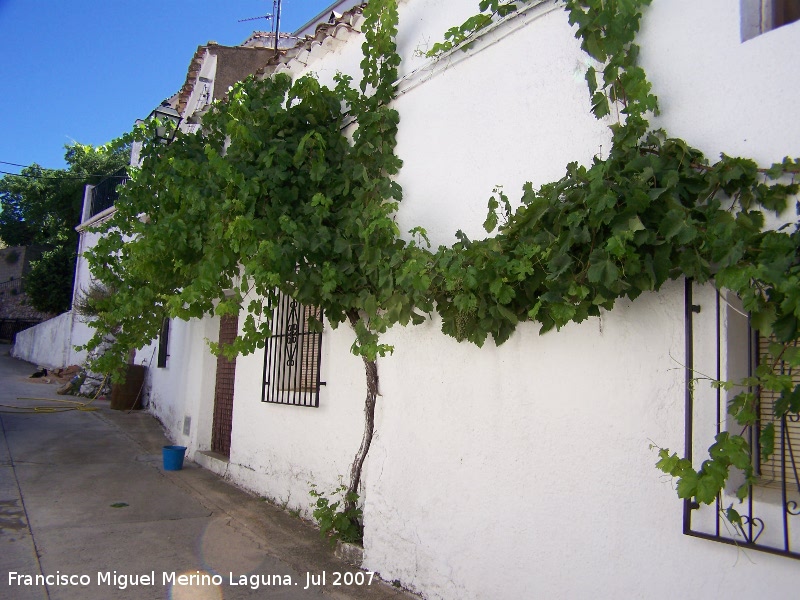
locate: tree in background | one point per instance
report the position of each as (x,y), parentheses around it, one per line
(42,207)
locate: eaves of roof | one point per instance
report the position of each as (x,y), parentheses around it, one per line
(326,37)
(268,37)
(195,66)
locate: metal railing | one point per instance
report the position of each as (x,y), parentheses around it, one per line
(105,193)
(12,284)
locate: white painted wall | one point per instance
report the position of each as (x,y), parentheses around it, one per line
(81,331)
(537,471)
(46,344)
(503,114)
(185,387)
(522,471)
(716,92)
(277,450)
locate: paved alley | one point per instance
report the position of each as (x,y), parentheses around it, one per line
(86,506)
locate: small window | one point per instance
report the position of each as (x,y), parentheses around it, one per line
(292,355)
(785,12)
(163,344)
(783,465)
(761,16)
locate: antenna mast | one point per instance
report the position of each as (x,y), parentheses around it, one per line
(275,17)
(276,7)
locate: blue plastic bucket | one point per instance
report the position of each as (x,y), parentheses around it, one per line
(173,457)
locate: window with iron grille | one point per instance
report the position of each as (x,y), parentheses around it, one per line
(721,345)
(292,355)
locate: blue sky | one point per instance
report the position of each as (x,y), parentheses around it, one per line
(85,70)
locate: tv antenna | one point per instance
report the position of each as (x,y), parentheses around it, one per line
(275,17)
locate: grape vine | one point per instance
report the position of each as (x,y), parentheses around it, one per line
(272,196)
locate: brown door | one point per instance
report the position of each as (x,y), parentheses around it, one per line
(223,391)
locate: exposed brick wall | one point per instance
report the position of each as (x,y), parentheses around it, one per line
(223,391)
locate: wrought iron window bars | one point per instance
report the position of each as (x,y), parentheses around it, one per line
(105,193)
(292,356)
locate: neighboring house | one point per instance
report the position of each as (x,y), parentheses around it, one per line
(52,343)
(525,470)
(212,70)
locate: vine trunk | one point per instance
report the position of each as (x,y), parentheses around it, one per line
(371,369)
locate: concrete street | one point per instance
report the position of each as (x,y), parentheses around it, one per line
(85,501)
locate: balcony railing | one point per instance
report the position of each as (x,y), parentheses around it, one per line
(105,193)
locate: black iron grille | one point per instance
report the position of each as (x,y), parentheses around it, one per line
(721,344)
(292,356)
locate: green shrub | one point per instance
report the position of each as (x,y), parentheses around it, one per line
(335,522)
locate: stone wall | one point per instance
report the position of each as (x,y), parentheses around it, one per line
(14,305)
(12,262)
(15,263)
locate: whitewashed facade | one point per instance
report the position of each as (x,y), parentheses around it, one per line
(523,471)
(520,471)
